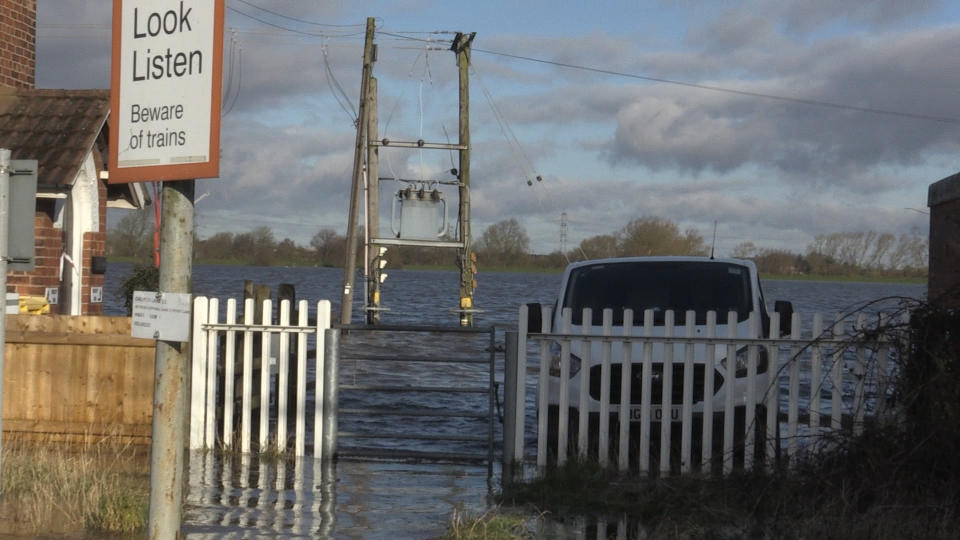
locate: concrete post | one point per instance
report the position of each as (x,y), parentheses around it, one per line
(4,246)
(171,374)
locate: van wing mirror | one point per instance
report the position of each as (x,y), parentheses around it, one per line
(534,318)
(785,309)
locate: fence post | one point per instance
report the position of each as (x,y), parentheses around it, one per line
(198,368)
(510,408)
(330,382)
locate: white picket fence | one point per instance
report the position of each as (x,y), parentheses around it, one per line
(214,372)
(818,382)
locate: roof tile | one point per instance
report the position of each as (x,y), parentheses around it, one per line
(55,127)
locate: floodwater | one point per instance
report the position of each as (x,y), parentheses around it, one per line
(240,497)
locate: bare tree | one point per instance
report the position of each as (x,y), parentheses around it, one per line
(658,236)
(132,236)
(218,246)
(329,246)
(504,242)
(600,247)
(744,250)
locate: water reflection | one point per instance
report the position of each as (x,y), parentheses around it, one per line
(242,496)
(234,496)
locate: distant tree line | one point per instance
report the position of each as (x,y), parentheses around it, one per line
(846,254)
(505,244)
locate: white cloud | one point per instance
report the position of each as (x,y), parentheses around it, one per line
(609,148)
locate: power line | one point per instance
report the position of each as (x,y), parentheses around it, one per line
(236,95)
(296,19)
(287,29)
(747,93)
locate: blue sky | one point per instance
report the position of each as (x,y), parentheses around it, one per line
(790,119)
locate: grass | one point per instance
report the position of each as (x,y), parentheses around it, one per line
(96,487)
(837,499)
(493,525)
(99,488)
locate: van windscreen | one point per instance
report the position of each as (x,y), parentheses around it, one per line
(660,286)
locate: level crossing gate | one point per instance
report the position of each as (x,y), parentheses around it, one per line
(289,382)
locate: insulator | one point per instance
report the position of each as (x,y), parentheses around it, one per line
(453,172)
(539,178)
(529,182)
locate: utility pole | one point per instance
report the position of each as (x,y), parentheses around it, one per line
(461,46)
(350,265)
(373,254)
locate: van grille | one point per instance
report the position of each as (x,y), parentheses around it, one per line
(656,386)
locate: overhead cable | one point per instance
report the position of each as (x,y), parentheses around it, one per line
(341,97)
(297,19)
(286,28)
(748,93)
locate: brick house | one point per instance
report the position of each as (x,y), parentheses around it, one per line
(67,132)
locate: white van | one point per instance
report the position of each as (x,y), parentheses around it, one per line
(660,284)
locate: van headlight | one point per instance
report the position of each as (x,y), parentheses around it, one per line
(555,361)
(740,364)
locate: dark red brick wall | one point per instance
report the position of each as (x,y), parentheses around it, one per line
(18,37)
(49,246)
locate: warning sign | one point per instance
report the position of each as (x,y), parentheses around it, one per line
(165,90)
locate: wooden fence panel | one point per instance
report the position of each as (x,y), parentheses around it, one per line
(71,379)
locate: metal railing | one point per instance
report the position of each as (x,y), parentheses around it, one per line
(434,386)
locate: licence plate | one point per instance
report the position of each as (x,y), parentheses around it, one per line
(656,413)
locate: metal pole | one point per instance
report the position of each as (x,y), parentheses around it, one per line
(350,265)
(331,369)
(171,380)
(4,246)
(509,404)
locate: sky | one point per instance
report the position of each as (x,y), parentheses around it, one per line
(773,122)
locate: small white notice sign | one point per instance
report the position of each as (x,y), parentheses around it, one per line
(164,316)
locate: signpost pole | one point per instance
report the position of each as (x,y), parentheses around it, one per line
(4,231)
(171,368)
(165,126)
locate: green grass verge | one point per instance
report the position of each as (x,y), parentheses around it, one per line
(47,488)
(493,525)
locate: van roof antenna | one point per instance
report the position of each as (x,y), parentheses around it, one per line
(713,244)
